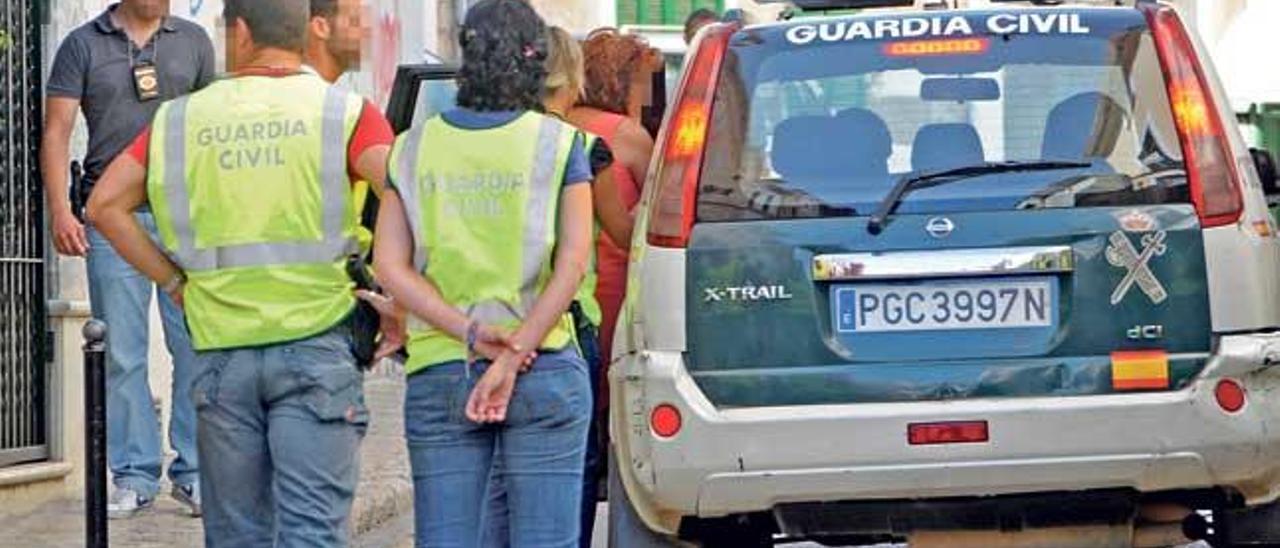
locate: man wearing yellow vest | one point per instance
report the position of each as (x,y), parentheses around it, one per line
(335,34)
(250,182)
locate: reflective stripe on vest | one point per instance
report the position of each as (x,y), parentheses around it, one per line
(407,175)
(333,178)
(590,281)
(248,186)
(542,186)
(488,198)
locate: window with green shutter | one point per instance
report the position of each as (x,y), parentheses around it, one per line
(662,12)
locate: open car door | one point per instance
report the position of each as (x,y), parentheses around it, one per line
(425,90)
(429,86)
(420,92)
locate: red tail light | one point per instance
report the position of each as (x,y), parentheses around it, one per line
(1211,170)
(683,142)
(665,420)
(1230,395)
(936,433)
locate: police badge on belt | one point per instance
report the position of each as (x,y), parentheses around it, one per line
(146,82)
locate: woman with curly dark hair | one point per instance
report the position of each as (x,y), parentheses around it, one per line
(614,64)
(485,240)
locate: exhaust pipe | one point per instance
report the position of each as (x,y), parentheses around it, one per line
(1169,525)
(1159,535)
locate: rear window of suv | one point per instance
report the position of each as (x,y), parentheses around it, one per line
(822,117)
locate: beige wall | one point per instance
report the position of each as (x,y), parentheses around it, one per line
(578,16)
(402,31)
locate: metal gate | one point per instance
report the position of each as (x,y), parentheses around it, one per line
(23,376)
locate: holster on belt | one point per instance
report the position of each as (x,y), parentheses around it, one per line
(79,193)
(365,320)
(587,335)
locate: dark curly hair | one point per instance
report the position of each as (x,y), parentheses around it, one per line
(611,60)
(504,44)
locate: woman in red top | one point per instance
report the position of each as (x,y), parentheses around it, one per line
(614,63)
(619,166)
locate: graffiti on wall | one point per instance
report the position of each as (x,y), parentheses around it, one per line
(397,34)
(391,42)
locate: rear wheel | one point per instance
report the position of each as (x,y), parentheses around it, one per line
(626,530)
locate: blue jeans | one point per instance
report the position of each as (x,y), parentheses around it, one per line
(495,522)
(595,443)
(280,432)
(540,450)
(121,296)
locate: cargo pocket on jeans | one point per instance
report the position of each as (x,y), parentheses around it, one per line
(335,394)
(329,384)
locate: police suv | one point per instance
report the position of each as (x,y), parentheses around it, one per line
(997,272)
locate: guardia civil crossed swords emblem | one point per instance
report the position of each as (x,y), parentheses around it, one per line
(1121,253)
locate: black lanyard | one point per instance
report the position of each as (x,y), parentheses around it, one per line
(146,77)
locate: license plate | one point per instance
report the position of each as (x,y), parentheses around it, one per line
(963,305)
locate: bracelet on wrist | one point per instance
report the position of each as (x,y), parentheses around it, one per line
(174,283)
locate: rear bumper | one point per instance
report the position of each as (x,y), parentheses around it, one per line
(748,460)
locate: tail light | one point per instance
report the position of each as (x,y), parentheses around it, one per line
(665,420)
(683,142)
(1230,395)
(1211,170)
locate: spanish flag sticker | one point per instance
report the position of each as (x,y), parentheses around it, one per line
(1140,370)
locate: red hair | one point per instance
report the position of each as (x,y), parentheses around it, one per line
(612,60)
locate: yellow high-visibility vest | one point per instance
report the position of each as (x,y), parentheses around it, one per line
(483,206)
(248,182)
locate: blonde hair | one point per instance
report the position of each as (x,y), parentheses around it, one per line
(564,63)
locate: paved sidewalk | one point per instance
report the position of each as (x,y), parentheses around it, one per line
(385,490)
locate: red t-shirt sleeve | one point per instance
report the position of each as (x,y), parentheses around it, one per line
(140,146)
(371,130)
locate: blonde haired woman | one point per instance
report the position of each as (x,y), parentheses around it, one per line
(561,91)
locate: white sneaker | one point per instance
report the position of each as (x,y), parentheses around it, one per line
(125,503)
(189,496)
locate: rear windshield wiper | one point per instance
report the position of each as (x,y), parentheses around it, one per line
(907,184)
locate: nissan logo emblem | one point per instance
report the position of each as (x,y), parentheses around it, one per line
(939,227)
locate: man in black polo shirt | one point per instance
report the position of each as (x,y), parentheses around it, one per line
(116,70)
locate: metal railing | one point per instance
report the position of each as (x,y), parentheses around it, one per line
(23,373)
